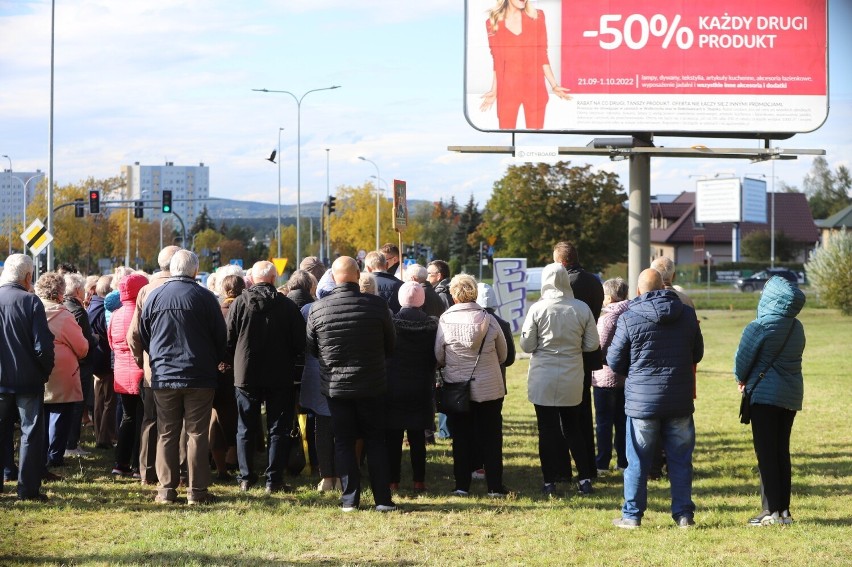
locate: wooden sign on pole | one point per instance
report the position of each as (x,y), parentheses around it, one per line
(400,206)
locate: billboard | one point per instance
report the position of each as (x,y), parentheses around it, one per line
(729,200)
(746,68)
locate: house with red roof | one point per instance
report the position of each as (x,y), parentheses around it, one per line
(674,232)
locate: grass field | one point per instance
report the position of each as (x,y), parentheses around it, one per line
(93,520)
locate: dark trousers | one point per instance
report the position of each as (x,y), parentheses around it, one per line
(609,415)
(416,448)
(556,427)
(324,435)
(587,426)
(57,420)
(353,419)
(80,408)
(771,427)
(148,437)
(279,421)
(102,416)
(127,448)
(29,408)
(482,426)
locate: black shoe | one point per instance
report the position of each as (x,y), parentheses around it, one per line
(202,498)
(585,487)
(245,485)
(685,522)
(549,489)
(626,523)
(38,497)
(501,492)
(50,477)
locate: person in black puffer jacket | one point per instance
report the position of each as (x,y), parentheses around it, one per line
(351,333)
(411,380)
(266,332)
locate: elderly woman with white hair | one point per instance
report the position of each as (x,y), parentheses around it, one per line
(470,347)
(63,387)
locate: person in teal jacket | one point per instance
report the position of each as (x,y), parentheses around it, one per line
(773,344)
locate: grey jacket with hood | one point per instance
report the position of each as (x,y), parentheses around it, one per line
(557,331)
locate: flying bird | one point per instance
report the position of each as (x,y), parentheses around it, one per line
(272,156)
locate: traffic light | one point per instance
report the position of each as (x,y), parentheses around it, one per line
(331,203)
(79,208)
(216,257)
(167,200)
(94,202)
(138,209)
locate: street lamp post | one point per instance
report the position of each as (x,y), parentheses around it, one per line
(280,129)
(298,160)
(378,176)
(9,218)
(325,237)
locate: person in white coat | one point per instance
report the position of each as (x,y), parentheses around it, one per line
(557,331)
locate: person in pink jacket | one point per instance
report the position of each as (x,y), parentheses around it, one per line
(63,388)
(128,377)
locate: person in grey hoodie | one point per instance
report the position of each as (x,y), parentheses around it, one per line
(557,331)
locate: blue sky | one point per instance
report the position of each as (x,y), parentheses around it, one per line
(170,80)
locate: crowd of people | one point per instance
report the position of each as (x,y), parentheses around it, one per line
(178,380)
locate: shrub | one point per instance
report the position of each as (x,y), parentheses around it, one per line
(830,272)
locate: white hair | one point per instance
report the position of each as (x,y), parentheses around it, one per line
(75,284)
(230,270)
(16,269)
(184,263)
(119,274)
(416,273)
(164,258)
(666,267)
(263,270)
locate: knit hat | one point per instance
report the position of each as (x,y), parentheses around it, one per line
(313,265)
(411,294)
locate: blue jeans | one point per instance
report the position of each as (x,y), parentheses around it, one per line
(609,414)
(57,428)
(31,458)
(678,438)
(280,406)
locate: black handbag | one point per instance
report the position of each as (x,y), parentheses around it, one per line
(745,400)
(296,460)
(454,397)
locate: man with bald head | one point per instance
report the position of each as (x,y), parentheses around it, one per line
(657,341)
(351,334)
(266,332)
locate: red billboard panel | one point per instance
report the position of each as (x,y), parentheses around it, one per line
(736,67)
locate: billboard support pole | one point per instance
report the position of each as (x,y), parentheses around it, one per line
(638,225)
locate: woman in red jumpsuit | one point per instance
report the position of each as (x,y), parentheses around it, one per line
(517,37)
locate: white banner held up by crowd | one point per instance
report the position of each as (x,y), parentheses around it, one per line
(510,287)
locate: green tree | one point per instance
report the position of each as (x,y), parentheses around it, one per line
(757,246)
(202,222)
(827,191)
(438,222)
(536,205)
(830,272)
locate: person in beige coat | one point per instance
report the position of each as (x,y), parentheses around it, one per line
(461,330)
(557,331)
(63,388)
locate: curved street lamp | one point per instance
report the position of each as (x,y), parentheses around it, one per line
(378,176)
(298,100)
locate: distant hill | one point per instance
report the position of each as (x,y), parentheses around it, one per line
(233,210)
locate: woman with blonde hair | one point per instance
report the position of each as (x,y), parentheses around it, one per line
(470,346)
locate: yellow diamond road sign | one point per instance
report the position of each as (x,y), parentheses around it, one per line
(36,237)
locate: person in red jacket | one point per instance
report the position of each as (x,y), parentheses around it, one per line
(128,377)
(517,37)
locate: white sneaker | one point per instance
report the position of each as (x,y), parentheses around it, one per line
(348,509)
(386,508)
(78,452)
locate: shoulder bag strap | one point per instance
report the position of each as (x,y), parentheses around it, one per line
(479,353)
(774,358)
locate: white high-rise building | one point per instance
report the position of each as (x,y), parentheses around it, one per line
(12,184)
(189,184)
